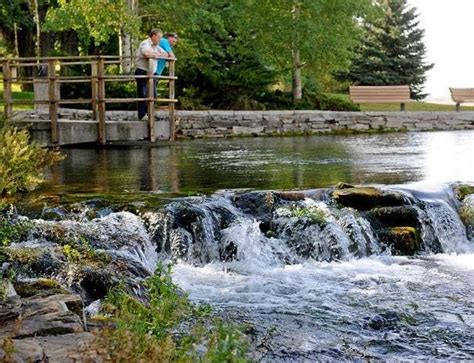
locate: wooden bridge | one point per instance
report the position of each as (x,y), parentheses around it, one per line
(95,72)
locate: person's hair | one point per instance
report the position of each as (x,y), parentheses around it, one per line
(155,31)
(171,35)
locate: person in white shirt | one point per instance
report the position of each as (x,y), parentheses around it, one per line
(149,48)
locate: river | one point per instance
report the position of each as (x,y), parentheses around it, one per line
(355,307)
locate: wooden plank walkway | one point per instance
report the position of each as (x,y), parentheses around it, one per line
(15,69)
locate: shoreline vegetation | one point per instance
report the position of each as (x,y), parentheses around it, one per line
(413,106)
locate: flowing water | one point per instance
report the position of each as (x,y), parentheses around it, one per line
(312,287)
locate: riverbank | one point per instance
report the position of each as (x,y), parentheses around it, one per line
(77,126)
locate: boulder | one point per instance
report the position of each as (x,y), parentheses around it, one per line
(258,204)
(403,241)
(393,217)
(39,287)
(50,315)
(466,212)
(365,198)
(463,190)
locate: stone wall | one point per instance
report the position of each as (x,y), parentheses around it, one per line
(77,126)
(266,123)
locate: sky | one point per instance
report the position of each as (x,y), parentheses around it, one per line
(448,28)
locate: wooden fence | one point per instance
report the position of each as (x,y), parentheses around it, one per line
(97,76)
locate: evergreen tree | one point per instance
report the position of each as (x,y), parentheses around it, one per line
(392,52)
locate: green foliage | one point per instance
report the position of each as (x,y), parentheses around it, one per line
(312,213)
(279,100)
(168,328)
(93,20)
(22,161)
(392,51)
(11,232)
(324,33)
(79,251)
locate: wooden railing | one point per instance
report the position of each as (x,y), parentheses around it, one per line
(14,68)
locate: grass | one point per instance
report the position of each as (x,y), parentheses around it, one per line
(169,328)
(17,94)
(411,106)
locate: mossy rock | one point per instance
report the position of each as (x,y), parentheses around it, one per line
(463,190)
(365,198)
(466,212)
(41,286)
(393,217)
(292,196)
(403,241)
(342,185)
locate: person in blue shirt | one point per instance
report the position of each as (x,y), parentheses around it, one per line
(166,43)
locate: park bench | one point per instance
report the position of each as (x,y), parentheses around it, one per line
(380,94)
(460,95)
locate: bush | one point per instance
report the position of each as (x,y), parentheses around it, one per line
(22,161)
(168,328)
(279,100)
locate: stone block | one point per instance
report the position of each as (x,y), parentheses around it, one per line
(240,130)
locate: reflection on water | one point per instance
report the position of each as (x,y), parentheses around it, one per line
(204,166)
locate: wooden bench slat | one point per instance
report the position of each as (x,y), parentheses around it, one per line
(459,95)
(380,94)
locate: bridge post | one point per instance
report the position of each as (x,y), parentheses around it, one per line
(94,89)
(7,89)
(53,102)
(172,113)
(151,99)
(101,100)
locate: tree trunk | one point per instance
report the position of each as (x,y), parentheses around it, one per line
(296,75)
(17,48)
(38,27)
(297,85)
(125,39)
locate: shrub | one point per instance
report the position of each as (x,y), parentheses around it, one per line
(279,100)
(22,161)
(168,328)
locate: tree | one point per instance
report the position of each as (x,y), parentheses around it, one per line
(314,37)
(219,66)
(93,20)
(392,52)
(14,16)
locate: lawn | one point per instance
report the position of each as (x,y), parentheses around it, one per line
(411,106)
(17,95)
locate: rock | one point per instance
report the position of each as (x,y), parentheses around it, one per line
(466,212)
(342,185)
(40,287)
(381,321)
(463,190)
(292,196)
(393,217)
(67,348)
(10,306)
(95,283)
(54,214)
(364,198)
(23,350)
(403,241)
(258,204)
(49,316)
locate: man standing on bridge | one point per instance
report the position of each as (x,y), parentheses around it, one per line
(149,48)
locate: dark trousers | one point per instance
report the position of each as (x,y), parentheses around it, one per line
(142,92)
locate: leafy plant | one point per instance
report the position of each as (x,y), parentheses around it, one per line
(314,214)
(12,231)
(22,161)
(168,328)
